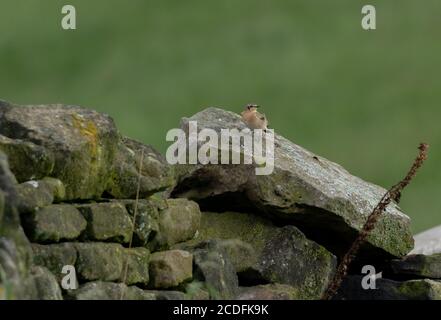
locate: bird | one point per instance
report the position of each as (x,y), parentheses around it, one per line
(254,119)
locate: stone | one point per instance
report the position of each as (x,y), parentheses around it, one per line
(28,160)
(8,182)
(177,223)
(167,294)
(46,284)
(196,290)
(215,270)
(15,246)
(33,195)
(55,223)
(241,254)
(107,222)
(55,256)
(170,268)
(22,251)
(99,290)
(2,205)
(82,148)
(146,224)
(290,258)
(11,279)
(3,293)
(386,289)
(15,249)
(99,261)
(281,254)
(17,281)
(272,291)
(156,175)
(428,242)
(39,193)
(425,266)
(137,260)
(57,188)
(77,145)
(319,196)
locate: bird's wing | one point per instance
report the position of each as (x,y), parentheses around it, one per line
(261,116)
(264,118)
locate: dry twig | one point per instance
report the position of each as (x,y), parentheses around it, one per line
(126,265)
(393,194)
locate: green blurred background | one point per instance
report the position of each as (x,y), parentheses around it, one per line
(364,99)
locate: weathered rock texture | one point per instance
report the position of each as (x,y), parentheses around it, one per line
(428,242)
(274,254)
(310,191)
(269,292)
(55,222)
(425,266)
(170,268)
(107,222)
(386,289)
(80,147)
(68,183)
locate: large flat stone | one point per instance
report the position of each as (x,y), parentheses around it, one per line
(82,148)
(319,196)
(81,142)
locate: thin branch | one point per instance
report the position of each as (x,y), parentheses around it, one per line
(126,265)
(393,194)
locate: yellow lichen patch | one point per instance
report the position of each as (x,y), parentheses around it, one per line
(89,130)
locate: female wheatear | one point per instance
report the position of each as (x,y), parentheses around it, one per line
(253,118)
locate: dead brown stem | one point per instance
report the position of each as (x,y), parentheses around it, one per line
(393,194)
(126,264)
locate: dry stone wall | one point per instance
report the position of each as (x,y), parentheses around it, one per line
(68,183)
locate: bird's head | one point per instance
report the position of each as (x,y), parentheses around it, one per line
(251,107)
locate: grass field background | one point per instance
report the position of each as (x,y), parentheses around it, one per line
(364,99)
